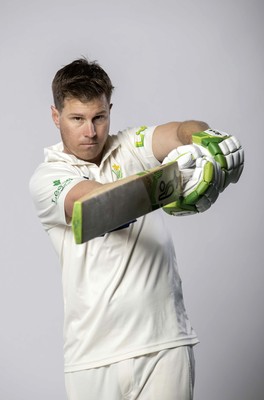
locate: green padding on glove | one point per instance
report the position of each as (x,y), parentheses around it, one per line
(208,136)
(202,187)
(201,177)
(180,209)
(211,144)
(226,151)
(208,172)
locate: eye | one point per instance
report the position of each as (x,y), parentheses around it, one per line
(99,119)
(77,118)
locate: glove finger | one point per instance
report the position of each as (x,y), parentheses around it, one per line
(201,178)
(178,209)
(190,148)
(172,156)
(186,175)
(185,161)
(226,151)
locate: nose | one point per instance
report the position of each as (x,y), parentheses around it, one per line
(89,130)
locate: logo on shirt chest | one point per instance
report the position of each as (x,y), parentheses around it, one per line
(116,169)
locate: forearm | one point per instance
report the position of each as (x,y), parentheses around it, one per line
(174,134)
(81,189)
(187,128)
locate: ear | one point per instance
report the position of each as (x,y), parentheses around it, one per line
(55,116)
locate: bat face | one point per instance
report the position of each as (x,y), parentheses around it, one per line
(107,209)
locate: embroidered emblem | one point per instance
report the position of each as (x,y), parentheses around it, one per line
(116,169)
(59,188)
(140,136)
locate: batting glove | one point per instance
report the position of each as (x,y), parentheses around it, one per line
(201,180)
(226,151)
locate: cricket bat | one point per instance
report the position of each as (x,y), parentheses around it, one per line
(109,208)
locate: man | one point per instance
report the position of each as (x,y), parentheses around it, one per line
(126,331)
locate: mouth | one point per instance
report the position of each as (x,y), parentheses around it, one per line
(89,144)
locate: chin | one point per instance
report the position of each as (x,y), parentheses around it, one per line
(92,158)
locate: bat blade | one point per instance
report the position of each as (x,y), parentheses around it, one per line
(111,207)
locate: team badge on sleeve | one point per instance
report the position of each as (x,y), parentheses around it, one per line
(140,136)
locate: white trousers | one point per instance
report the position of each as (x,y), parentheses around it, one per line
(165,375)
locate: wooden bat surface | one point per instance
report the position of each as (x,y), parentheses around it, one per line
(108,208)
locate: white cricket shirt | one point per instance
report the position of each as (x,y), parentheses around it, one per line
(122,291)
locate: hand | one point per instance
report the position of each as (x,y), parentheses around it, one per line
(201,180)
(226,151)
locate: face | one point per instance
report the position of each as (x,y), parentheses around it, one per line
(84,127)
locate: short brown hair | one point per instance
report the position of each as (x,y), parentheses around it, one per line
(81,79)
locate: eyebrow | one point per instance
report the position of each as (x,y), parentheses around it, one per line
(83,115)
(76,114)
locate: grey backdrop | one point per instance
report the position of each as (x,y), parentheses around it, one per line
(169,60)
